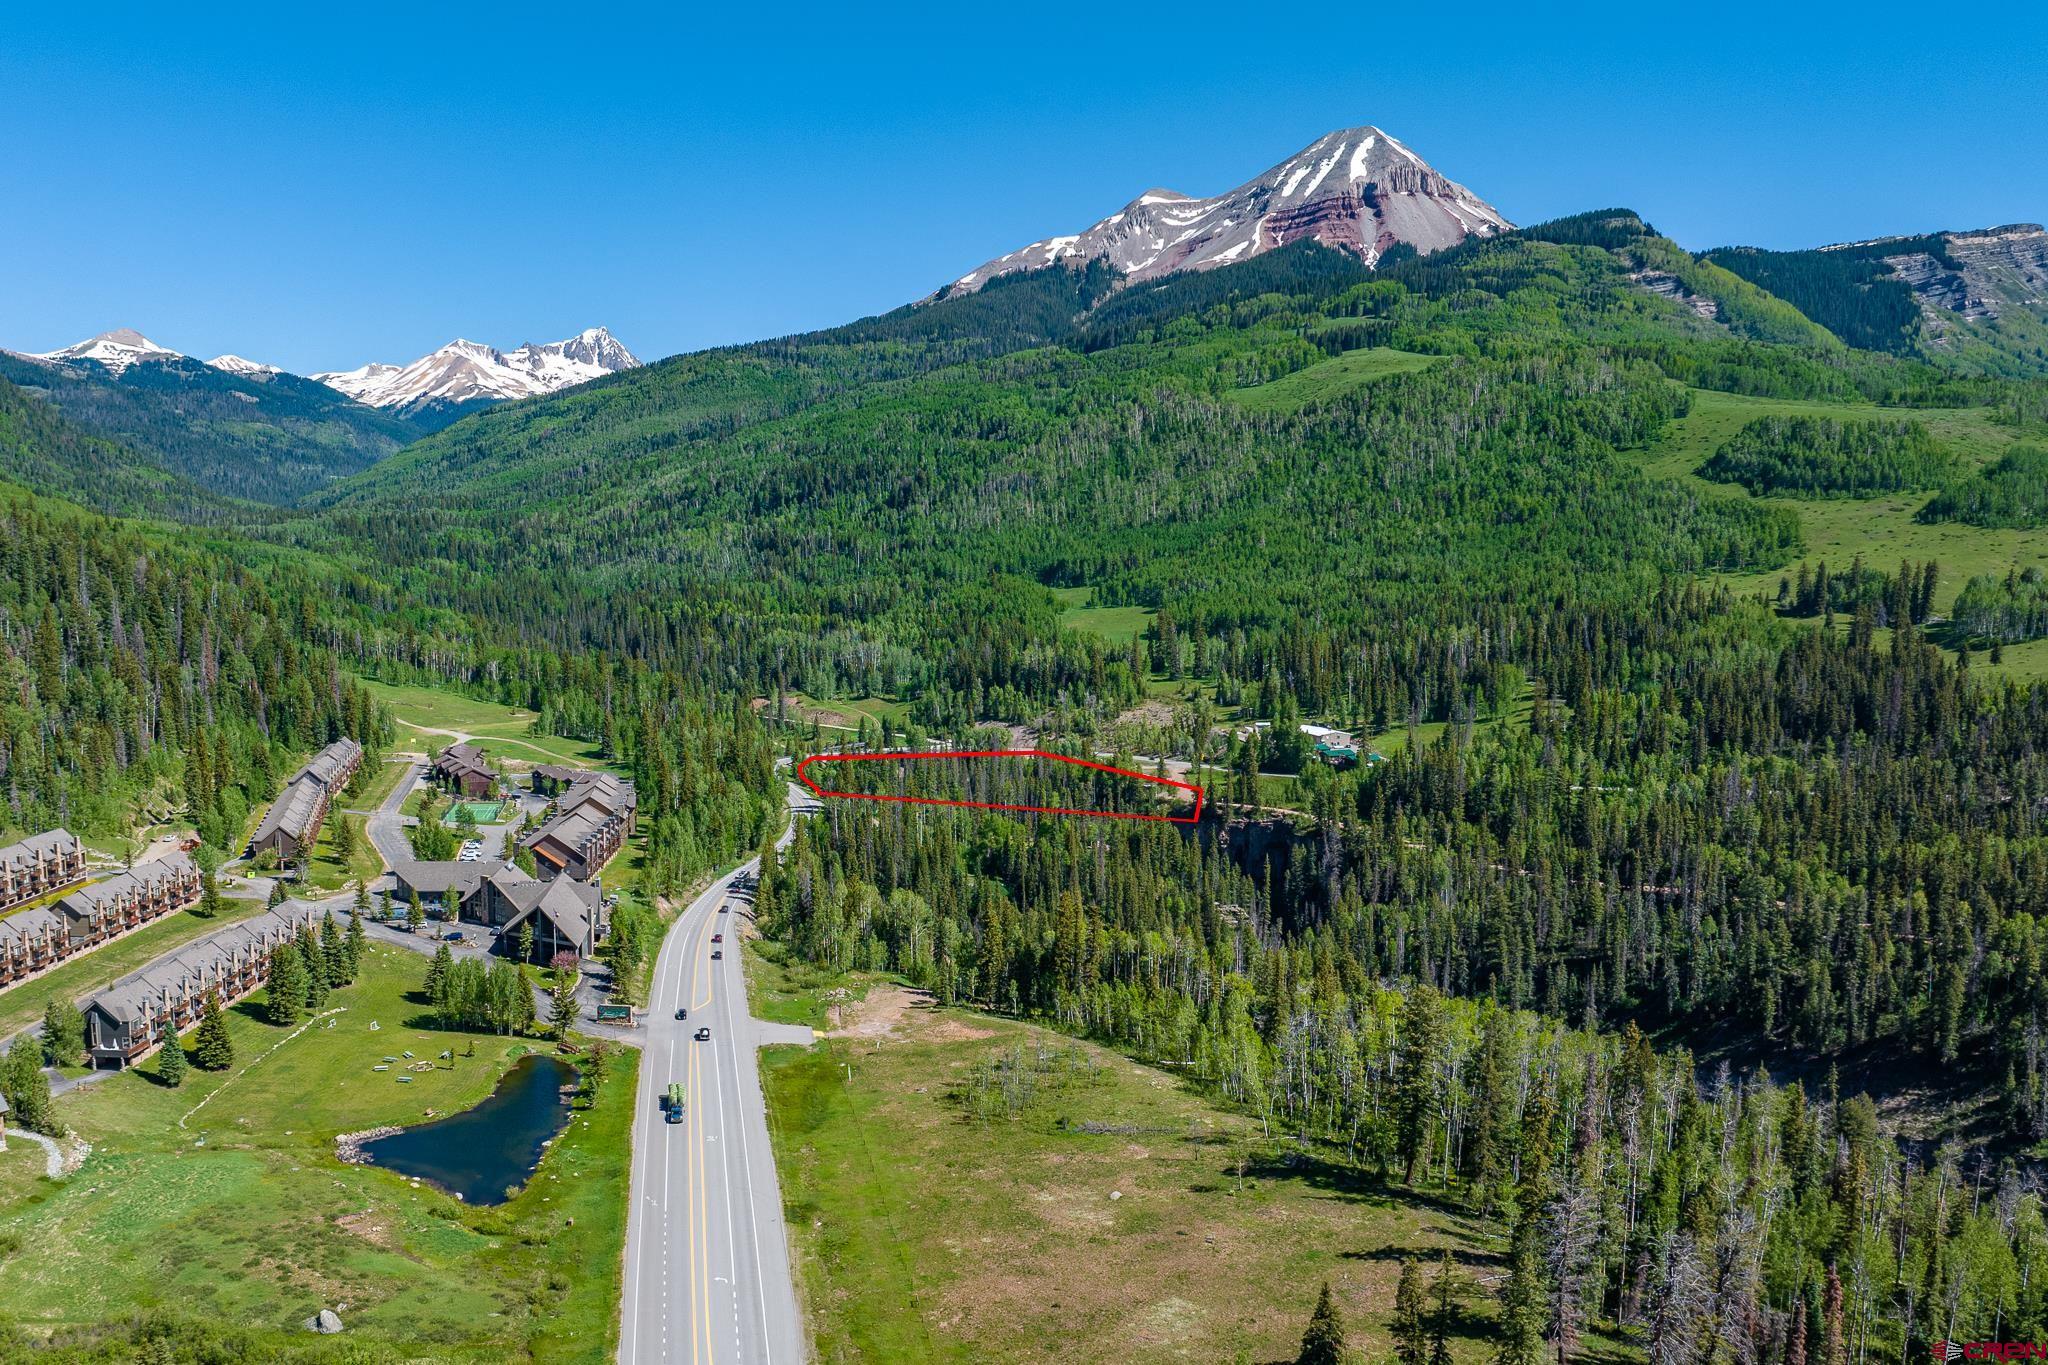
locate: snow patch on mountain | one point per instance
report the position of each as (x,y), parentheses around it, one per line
(469,371)
(116,350)
(248,369)
(1357,189)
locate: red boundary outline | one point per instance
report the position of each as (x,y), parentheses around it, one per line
(816,790)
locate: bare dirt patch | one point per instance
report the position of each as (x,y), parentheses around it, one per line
(878,1014)
(373,1227)
(889,1012)
(1154,712)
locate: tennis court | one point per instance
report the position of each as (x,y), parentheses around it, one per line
(480,812)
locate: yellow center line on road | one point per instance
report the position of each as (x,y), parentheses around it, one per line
(694,1099)
(700,1181)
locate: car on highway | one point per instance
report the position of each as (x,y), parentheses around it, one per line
(718,938)
(683,1012)
(717,953)
(703,1035)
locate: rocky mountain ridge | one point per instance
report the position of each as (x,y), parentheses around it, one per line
(465,374)
(1357,189)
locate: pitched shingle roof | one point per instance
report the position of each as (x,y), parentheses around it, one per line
(294,810)
(48,843)
(584,811)
(330,762)
(465,758)
(128,998)
(143,877)
(570,905)
(31,924)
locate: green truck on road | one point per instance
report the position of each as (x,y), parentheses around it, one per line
(672,1103)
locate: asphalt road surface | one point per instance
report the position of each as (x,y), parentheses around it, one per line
(707,1275)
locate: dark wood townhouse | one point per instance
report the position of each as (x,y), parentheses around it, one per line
(31,940)
(589,823)
(96,913)
(293,821)
(463,768)
(334,765)
(39,865)
(132,1017)
(552,779)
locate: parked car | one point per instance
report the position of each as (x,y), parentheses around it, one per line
(455,937)
(703,1035)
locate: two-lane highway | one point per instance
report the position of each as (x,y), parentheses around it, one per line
(707,1274)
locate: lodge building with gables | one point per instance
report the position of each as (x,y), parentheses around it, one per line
(566,915)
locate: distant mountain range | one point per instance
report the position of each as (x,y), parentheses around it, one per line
(465,375)
(231,425)
(1358,189)
(1971,302)
(251,430)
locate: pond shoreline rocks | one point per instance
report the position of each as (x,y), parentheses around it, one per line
(348,1148)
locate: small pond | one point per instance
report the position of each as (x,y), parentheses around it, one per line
(482,1152)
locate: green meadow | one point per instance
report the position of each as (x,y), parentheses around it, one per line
(224,1200)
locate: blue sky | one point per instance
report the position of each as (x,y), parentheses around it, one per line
(366,184)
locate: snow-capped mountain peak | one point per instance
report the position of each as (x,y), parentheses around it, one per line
(248,369)
(465,372)
(1358,189)
(116,350)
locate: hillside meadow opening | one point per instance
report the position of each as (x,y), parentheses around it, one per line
(1028,780)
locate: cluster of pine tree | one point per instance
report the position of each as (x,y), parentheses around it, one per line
(1809,455)
(2004,610)
(466,994)
(143,678)
(2012,492)
(1732,1216)
(303,972)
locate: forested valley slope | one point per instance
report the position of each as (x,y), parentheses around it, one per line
(1670,839)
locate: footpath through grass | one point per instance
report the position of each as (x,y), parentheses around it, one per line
(244,1215)
(986,1190)
(500,731)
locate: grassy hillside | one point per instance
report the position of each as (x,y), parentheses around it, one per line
(1855,292)
(430,718)
(1883,530)
(1099,1204)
